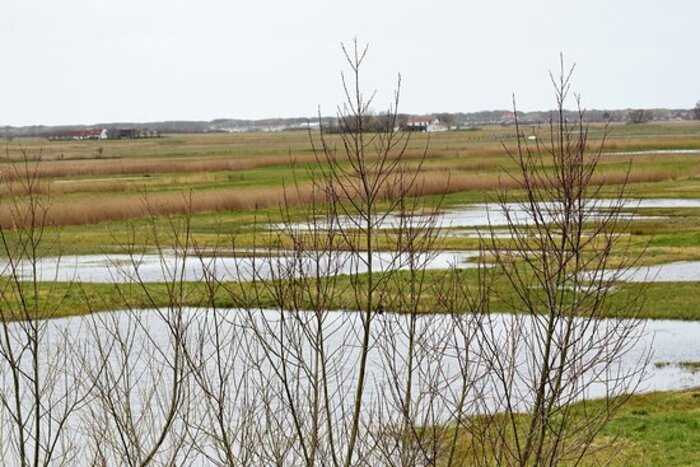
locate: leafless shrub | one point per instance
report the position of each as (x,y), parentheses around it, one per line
(40,391)
(351,388)
(141,369)
(560,350)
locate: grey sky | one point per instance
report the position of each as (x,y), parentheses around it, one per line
(88,61)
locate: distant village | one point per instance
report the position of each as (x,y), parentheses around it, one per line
(437,122)
(102,133)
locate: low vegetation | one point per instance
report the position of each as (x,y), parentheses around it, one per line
(653,429)
(243,171)
(674,300)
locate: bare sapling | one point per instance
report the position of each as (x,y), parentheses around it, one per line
(564,229)
(41,387)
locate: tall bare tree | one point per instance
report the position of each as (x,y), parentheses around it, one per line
(355,388)
(560,350)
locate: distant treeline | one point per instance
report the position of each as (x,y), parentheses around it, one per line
(459,120)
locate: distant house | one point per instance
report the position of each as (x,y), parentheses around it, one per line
(507,118)
(436,126)
(79,135)
(426,124)
(98,133)
(103,133)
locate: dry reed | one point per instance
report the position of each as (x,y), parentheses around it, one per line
(102,209)
(96,167)
(61,169)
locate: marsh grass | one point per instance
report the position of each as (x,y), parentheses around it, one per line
(92,168)
(669,300)
(129,205)
(133,206)
(233,176)
(654,429)
(661,428)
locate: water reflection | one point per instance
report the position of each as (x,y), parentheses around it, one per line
(160,268)
(682,271)
(484,214)
(669,341)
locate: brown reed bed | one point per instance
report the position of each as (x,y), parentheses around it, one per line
(111,167)
(456,162)
(91,168)
(62,212)
(97,209)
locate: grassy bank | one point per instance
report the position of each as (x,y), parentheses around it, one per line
(661,428)
(667,300)
(654,429)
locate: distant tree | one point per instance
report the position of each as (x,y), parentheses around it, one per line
(446,118)
(384,121)
(640,116)
(696,111)
(401,120)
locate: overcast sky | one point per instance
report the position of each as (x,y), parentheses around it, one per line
(90,61)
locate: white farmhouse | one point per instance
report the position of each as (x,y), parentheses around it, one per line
(435,126)
(427,124)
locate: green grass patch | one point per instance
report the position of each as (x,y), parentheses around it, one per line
(679,300)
